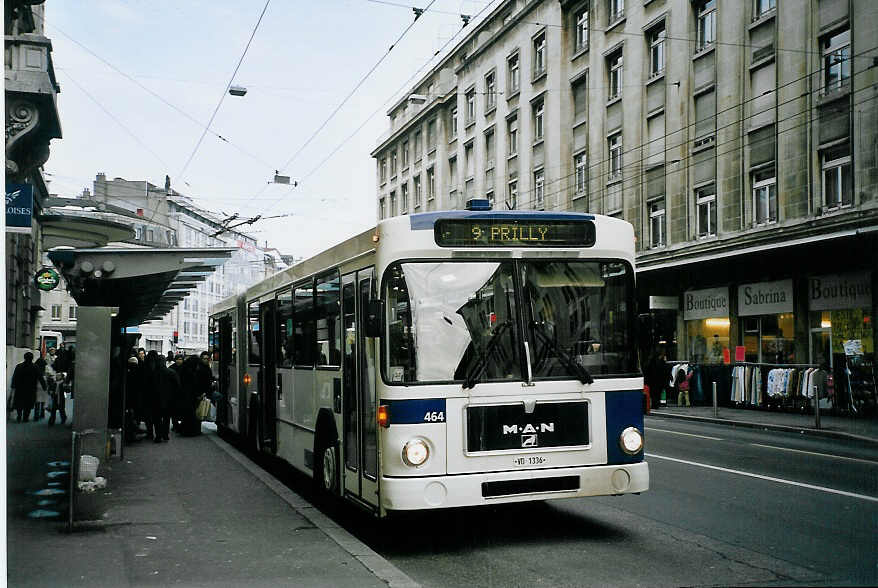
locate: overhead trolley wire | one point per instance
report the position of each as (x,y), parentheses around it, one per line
(376,111)
(225,92)
(156,95)
(351,93)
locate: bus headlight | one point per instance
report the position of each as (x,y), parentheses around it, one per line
(415,452)
(631,440)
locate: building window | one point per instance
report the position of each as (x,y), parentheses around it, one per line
(489,149)
(614,66)
(512,195)
(418,147)
(417,190)
(836,59)
(452,173)
(705,203)
(405,155)
(706,24)
(763,6)
(150,235)
(579,163)
(657,50)
(56,312)
(539,190)
(490,197)
(836,163)
(539,55)
(71,313)
(490,92)
(393,203)
(431,184)
(512,136)
(452,122)
(615,10)
(393,164)
(404,198)
(539,110)
(615,148)
(656,210)
(765,196)
(431,135)
(383,169)
(470,107)
(469,162)
(580,36)
(514,82)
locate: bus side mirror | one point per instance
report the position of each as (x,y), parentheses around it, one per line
(375,318)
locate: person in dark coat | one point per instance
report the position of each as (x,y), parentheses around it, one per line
(159,384)
(190,395)
(180,402)
(657,376)
(24,381)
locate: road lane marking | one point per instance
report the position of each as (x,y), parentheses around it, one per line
(870,462)
(680,433)
(767,478)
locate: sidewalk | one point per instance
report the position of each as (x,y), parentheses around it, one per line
(861,429)
(190,512)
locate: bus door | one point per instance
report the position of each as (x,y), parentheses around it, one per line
(225,370)
(267,427)
(359,403)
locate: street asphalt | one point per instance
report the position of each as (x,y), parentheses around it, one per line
(198,512)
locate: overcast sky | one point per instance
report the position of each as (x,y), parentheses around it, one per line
(305,58)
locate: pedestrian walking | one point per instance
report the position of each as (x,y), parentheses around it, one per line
(57,403)
(24,384)
(42,398)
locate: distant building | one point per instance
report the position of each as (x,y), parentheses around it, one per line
(737,136)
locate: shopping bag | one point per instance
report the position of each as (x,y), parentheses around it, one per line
(202,411)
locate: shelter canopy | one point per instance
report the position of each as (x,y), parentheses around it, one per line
(144,283)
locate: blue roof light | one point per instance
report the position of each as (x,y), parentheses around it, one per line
(478,204)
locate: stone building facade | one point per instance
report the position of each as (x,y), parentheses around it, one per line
(739,137)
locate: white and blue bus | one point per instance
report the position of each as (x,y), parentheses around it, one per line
(445,359)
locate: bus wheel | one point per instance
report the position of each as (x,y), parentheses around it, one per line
(327,474)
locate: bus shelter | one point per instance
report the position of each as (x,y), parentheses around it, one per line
(117,288)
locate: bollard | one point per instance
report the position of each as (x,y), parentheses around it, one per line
(816,408)
(715,410)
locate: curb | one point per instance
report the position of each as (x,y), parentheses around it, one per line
(770,427)
(380,567)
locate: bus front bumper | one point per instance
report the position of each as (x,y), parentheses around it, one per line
(399,493)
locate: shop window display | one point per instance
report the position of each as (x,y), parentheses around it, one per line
(707,339)
(769,338)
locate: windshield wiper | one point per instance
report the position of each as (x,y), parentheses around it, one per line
(482,362)
(579,370)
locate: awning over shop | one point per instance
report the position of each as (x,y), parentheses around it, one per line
(145,284)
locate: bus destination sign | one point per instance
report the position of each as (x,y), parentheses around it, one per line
(522,232)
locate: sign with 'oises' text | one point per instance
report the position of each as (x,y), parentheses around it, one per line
(19,207)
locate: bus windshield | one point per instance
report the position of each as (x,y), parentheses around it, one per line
(476,322)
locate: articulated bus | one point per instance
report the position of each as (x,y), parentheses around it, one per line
(445,359)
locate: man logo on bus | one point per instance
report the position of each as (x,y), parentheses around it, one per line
(528,440)
(529,428)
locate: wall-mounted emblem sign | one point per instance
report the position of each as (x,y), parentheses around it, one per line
(47,279)
(19,207)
